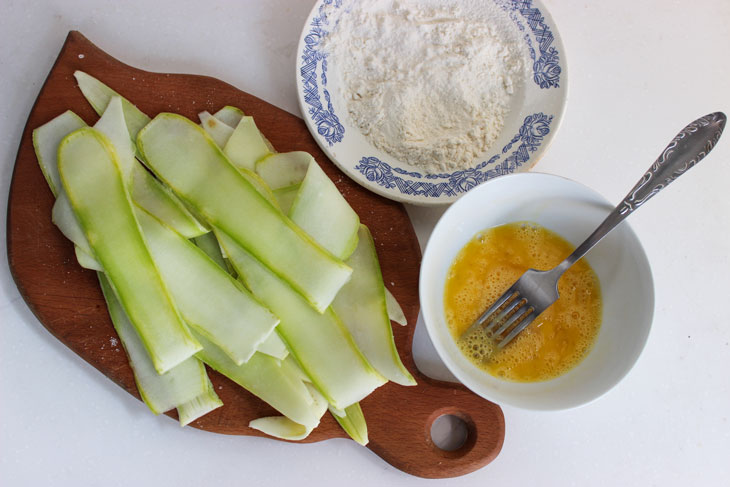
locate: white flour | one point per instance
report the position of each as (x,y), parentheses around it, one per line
(429,83)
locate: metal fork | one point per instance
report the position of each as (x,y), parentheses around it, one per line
(536,290)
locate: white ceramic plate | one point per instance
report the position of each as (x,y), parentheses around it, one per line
(573,211)
(531,124)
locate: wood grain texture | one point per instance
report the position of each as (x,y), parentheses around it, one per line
(67,300)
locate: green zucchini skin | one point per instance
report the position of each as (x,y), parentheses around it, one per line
(279,381)
(209,299)
(284,169)
(151,195)
(99,95)
(185,386)
(361,304)
(264,377)
(353,422)
(320,210)
(220,132)
(92,180)
(183,156)
(161,392)
(146,191)
(306,194)
(320,343)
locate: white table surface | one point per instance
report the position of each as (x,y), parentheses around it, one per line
(638,72)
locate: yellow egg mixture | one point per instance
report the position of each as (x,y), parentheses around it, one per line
(486,267)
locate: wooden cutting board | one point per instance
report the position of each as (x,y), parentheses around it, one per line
(67,300)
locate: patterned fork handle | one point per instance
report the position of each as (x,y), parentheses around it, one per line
(688,148)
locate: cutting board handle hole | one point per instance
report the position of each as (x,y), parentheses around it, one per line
(451,432)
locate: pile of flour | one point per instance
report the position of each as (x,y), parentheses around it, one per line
(429,83)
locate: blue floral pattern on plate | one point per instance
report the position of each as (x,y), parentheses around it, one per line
(546,68)
(322,114)
(399,183)
(530,136)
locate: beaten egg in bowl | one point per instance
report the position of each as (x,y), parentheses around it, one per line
(486,267)
(573,211)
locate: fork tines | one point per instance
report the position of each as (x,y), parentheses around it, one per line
(509,314)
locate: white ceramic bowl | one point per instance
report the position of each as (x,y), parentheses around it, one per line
(573,211)
(534,117)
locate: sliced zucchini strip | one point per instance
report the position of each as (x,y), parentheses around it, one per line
(219,131)
(285,197)
(46,139)
(209,299)
(320,343)
(63,216)
(148,193)
(229,115)
(353,422)
(188,161)
(286,429)
(209,244)
(112,124)
(246,145)
(316,195)
(87,261)
(161,392)
(274,346)
(280,427)
(266,379)
(109,124)
(320,210)
(199,406)
(395,312)
(284,169)
(92,180)
(98,95)
(361,306)
(184,386)
(260,186)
